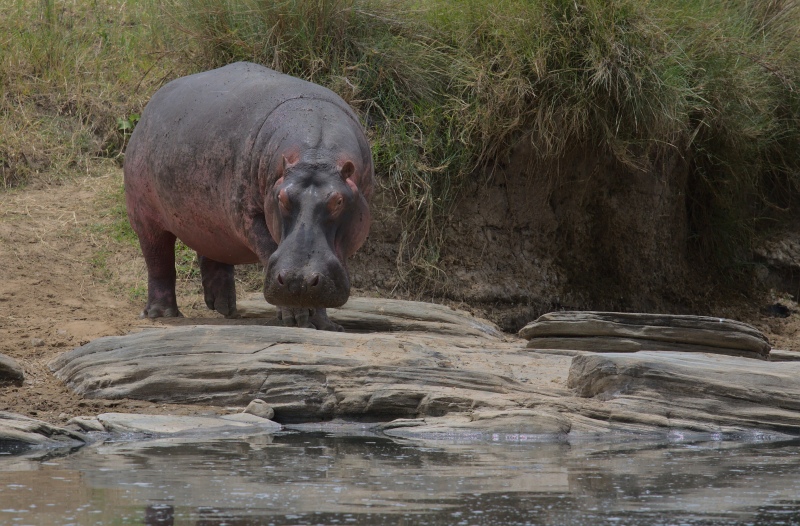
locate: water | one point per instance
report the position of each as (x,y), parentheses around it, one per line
(320,478)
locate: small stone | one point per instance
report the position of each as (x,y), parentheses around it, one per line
(86,423)
(10,370)
(260,408)
(37,342)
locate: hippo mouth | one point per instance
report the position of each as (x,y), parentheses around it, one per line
(306,287)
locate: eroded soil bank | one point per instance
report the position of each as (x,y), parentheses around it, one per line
(65,282)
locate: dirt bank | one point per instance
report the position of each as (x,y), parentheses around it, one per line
(64,281)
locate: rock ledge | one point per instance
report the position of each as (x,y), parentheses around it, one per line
(631,332)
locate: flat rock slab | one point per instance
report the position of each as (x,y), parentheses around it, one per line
(420,385)
(631,332)
(185,425)
(308,375)
(18,430)
(387,315)
(693,391)
(544,423)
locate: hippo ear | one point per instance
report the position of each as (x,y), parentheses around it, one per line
(288,162)
(347,170)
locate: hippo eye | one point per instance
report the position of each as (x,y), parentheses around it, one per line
(283,200)
(335,204)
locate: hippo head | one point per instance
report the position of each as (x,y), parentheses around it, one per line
(319,216)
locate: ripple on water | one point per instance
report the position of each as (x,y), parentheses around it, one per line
(319,478)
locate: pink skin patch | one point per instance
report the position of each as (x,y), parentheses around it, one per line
(272,215)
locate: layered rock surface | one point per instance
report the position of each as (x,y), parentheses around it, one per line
(435,379)
(631,332)
(700,392)
(308,375)
(387,315)
(21,431)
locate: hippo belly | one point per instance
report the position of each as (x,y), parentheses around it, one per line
(209,237)
(215,244)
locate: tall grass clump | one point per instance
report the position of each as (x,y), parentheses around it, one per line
(69,71)
(743,117)
(714,82)
(385,62)
(446,89)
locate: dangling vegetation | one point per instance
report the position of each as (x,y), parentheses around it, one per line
(445,88)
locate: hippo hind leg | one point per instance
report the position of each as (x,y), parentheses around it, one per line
(219,288)
(159,256)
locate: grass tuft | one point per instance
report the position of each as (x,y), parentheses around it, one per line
(69,70)
(448,88)
(445,89)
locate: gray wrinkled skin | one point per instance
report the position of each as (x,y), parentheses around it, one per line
(244,164)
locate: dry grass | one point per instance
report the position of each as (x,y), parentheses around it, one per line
(445,89)
(69,71)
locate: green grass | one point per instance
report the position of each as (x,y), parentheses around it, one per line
(445,89)
(448,88)
(68,71)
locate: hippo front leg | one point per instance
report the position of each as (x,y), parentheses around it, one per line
(319,318)
(219,287)
(308,318)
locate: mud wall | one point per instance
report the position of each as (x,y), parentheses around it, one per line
(582,232)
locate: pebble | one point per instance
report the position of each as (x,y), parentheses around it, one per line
(37,342)
(259,408)
(10,370)
(87,423)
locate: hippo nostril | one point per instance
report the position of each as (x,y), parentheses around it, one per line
(315,280)
(280,278)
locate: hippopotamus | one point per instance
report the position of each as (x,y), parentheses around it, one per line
(245,164)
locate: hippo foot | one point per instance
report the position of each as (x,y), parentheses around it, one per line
(307,318)
(223,304)
(161,302)
(159,311)
(320,319)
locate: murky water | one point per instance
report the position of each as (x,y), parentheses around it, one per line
(320,478)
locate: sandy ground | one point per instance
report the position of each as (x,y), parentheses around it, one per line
(64,282)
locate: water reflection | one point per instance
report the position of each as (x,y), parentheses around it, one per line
(317,478)
(159,515)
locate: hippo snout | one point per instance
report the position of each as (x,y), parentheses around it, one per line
(313,286)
